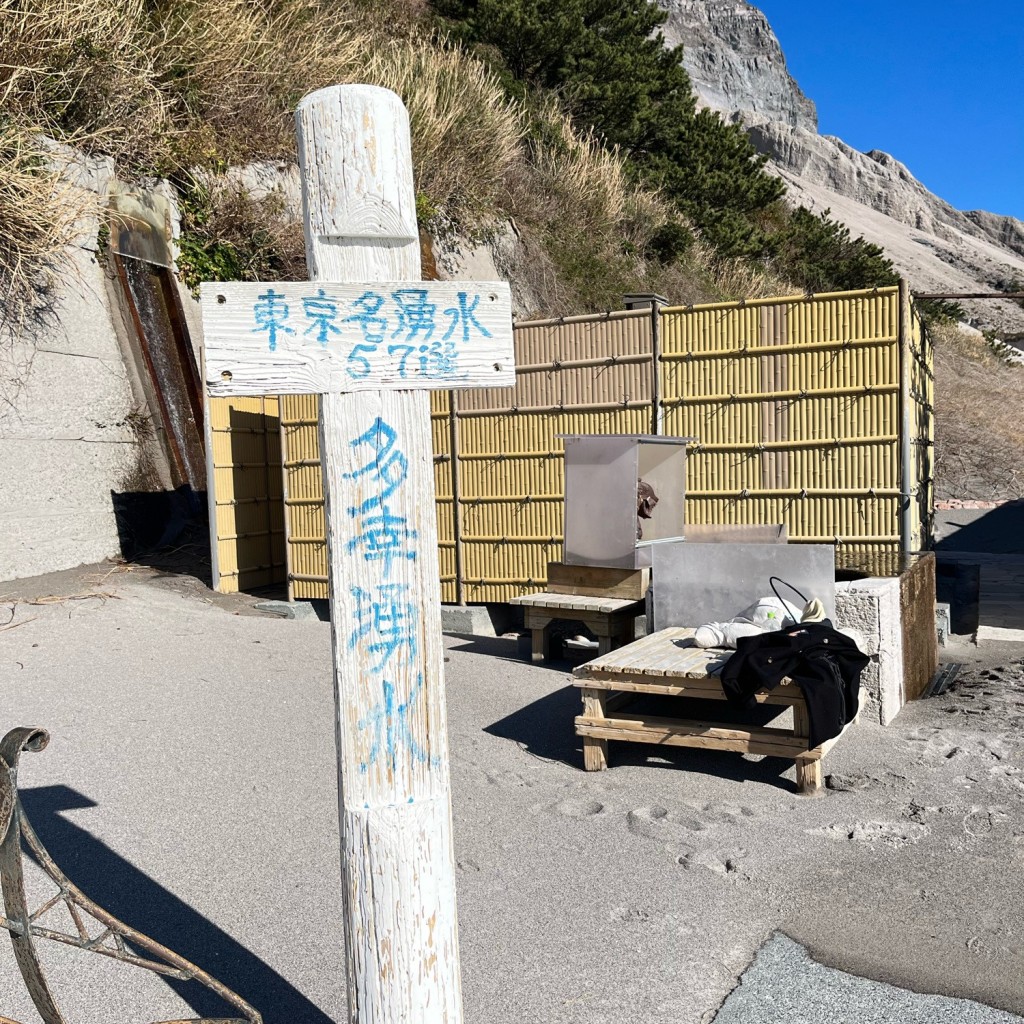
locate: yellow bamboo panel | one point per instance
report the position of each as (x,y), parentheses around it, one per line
(304,502)
(246,482)
(304,497)
(795,403)
(922,393)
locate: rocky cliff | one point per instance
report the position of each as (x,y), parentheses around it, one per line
(735,61)
(737,66)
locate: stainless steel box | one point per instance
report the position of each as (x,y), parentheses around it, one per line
(694,583)
(602,473)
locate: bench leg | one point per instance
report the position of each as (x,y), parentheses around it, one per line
(808,776)
(541,639)
(540,644)
(617,632)
(808,769)
(595,751)
(595,754)
(801,722)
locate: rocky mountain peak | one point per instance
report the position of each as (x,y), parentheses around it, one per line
(736,65)
(735,61)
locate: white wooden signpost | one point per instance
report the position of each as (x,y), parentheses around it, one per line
(369,337)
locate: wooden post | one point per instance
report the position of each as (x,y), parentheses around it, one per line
(397,858)
(369,349)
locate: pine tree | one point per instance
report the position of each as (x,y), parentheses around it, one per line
(609,64)
(822,255)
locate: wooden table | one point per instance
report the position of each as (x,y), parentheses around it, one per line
(613,619)
(668,664)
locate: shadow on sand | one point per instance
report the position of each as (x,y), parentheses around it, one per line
(131,895)
(545,729)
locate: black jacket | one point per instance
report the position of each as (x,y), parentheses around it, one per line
(823,662)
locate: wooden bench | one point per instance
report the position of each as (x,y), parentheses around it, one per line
(612,619)
(668,664)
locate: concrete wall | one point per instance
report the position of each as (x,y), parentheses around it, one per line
(68,413)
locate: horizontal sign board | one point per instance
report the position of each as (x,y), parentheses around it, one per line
(314,337)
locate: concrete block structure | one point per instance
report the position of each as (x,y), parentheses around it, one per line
(872,608)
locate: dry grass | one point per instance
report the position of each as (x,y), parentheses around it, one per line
(172,86)
(232,71)
(81,71)
(39,213)
(742,279)
(979,449)
(581,174)
(466,133)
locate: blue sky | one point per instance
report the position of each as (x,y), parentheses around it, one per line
(940,86)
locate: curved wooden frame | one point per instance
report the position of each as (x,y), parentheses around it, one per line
(115,939)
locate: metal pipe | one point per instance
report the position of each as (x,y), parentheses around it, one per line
(581,318)
(656,357)
(583,407)
(775,350)
(906,455)
(969,295)
(797,492)
(581,364)
(788,300)
(765,396)
(821,443)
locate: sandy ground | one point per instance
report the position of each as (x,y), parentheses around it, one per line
(189,786)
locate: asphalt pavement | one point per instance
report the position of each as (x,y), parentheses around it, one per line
(785,986)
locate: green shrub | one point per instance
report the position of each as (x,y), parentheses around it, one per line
(822,256)
(670,242)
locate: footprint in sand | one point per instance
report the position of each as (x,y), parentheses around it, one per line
(578,808)
(852,782)
(663,825)
(729,863)
(981,822)
(629,915)
(920,813)
(875,833)
(684,833)
(722,813)
(511,780)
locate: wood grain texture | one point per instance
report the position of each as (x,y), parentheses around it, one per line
(397,861)
(598,581)
(681,733)
(313,338)
(578,602)
(356,136)
(808,776)
(669,652)
(709,688)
